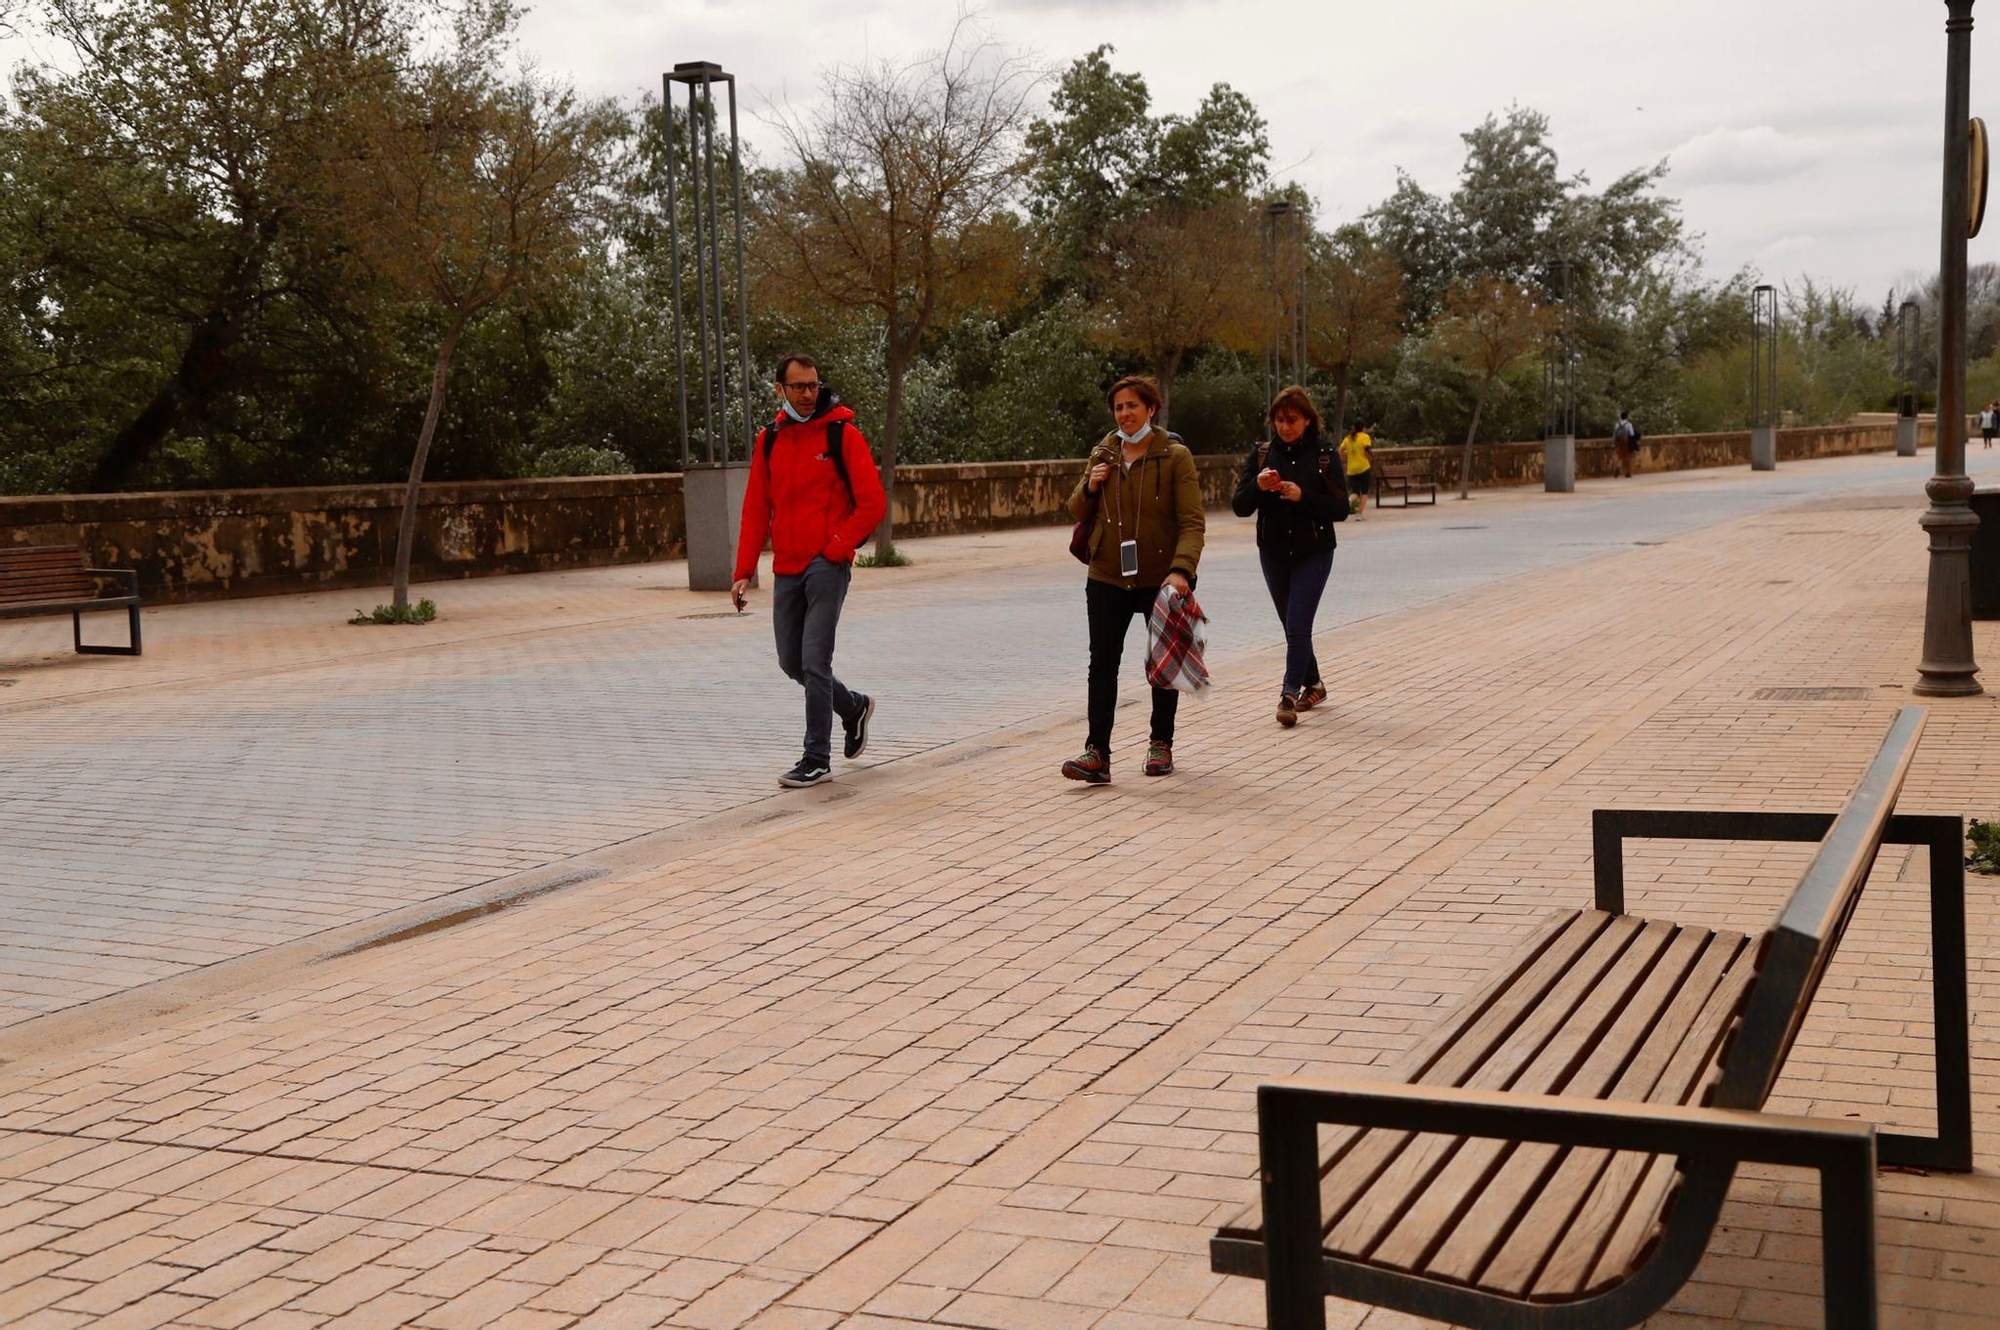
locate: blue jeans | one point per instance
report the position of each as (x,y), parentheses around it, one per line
(805,613)
(1296,588)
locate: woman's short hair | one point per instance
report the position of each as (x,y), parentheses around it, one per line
(1297,400)
(1142,384)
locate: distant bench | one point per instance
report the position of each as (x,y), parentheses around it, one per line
(1401,478)
(55,579)
(1582,1113)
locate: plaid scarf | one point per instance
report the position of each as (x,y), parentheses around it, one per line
(1174,641)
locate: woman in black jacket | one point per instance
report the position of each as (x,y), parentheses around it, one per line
(1294,485)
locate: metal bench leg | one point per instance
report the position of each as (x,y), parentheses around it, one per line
(1847,1238)
(132,629)
(1288,1141)
(1951,1149)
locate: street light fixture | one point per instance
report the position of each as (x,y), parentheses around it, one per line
(1909,327)
(1276,213)
(1947,668)
(1764,378)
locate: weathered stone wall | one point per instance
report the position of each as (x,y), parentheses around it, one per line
(214,544)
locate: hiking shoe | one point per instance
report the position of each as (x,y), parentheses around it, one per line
(857,733)
(1159,759)
(1093,766)
(1288,710)
(809,771)
(1314,694)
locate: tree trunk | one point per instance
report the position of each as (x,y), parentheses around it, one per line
(1465,465)
(892,425)
(1340,401)
(406,530)
(1170,368)
(194,383)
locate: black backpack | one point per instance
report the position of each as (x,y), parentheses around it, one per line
(834,430)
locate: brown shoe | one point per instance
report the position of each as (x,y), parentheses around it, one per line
(1093,767)
(1314,694)
(1288,710)
(1159,759)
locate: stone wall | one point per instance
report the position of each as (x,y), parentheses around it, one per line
(214,544)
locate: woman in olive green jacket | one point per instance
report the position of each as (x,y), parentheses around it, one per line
(1147,533)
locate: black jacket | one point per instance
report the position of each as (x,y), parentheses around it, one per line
(1286,528)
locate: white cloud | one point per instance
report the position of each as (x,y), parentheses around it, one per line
(1760,155)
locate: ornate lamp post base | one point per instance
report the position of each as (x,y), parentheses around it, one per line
(1947,668)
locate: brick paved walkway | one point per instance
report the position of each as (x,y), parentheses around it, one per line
(267,773)
(957,1043)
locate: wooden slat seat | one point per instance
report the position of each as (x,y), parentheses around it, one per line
(57,579)
(1557,1150)
(1597,1004)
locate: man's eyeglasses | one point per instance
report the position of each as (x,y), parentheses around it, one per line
(800,387)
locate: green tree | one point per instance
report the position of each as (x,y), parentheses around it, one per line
(1490,323)
(462,193)
(892,200)
(1354,303)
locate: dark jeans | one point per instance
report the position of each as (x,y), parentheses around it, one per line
(1111,609)
(1296,588)
(805,612)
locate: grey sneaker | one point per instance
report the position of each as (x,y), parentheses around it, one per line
(809,771)
(857,733)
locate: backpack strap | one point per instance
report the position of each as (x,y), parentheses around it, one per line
(835,429)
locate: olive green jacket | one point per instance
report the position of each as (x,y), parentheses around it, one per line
(1158,503)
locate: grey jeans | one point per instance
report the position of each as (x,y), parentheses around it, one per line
(805,612)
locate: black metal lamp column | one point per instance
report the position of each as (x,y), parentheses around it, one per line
(1947,668)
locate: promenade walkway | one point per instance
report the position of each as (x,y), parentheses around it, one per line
(950,1041)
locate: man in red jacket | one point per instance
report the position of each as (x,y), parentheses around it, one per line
(815,493)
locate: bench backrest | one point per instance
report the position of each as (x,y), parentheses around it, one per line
(1808,929)
(30,573)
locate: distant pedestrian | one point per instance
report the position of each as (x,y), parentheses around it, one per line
(1625,443)
(1989,422)
(1141,496)
(1358,449)
(1293,485)
(815,493)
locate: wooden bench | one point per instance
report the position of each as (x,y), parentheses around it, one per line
(1400,478)
(55,579)
(1556,1152)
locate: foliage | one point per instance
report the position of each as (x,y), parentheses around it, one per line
(424,611)
(891,557)
(1985,853)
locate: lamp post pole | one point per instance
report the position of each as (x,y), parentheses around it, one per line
(1947,668)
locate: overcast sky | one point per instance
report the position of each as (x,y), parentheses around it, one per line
(1804,136)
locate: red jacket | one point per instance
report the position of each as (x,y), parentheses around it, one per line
(796,499)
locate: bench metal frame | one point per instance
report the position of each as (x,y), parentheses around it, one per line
(76,609)
(1405,482)
(1710,1142)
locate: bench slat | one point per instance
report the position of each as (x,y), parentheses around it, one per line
(1491,1182)
(1364,1193)
(1676,1060)
(1631,1190)
(1248,1224)
(52,590)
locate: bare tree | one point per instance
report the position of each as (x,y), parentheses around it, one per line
(1175,278)
(1489,324)
(893,197)
(464,193)
(1354,313)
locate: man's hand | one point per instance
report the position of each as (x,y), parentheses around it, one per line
(738,592)
(1179,582)
(1097,475)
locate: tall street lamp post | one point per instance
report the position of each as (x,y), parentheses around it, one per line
(1947,667)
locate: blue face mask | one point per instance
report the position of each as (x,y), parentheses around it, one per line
(795,413)
(1144,430)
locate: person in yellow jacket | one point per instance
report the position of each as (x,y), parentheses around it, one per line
(1357,449)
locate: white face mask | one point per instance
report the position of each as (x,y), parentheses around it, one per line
(1144,430)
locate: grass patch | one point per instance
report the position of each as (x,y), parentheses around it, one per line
(1984,838)
(422,612)
(889,558)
